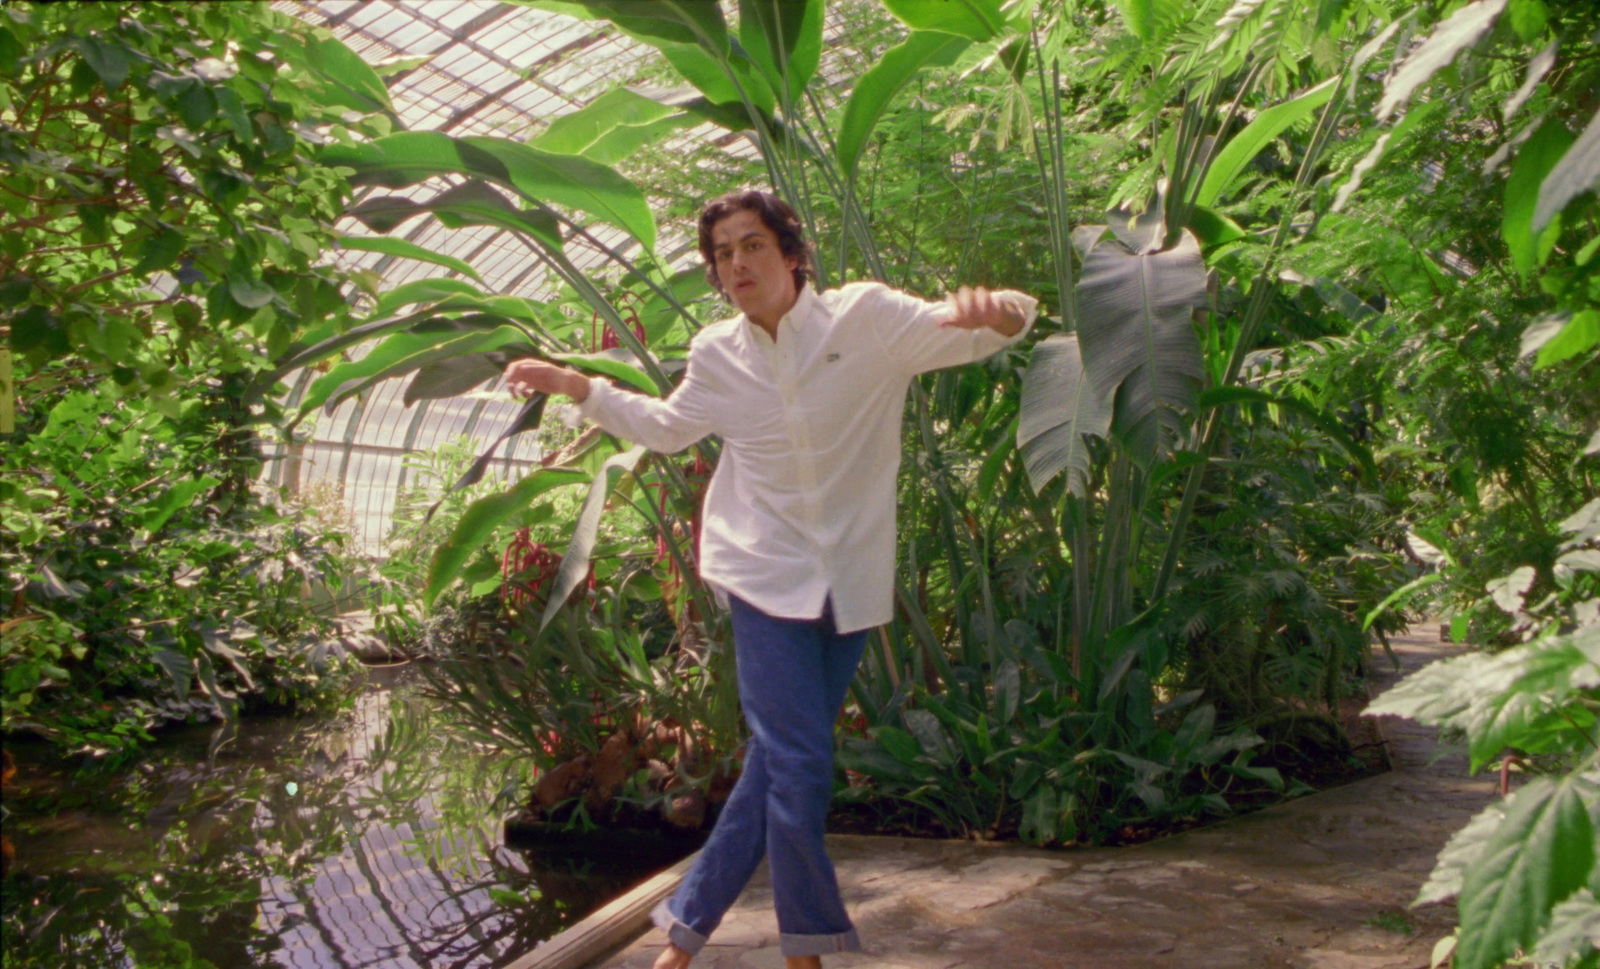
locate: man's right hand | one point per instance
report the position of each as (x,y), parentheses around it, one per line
(527,377)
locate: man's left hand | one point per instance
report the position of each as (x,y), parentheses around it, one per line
(976,307)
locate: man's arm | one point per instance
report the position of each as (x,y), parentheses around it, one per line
(968,325)
(664,426)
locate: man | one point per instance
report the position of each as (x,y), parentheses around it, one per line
(806,392)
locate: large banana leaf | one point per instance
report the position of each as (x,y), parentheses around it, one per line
(402,249)
(1060,411)
(404,353)
(652,21)
(1248,143)
(976,20)
(710,73)
(613,126)
(783,38)
(878,86)
(575,560)
(470,203)
(409,157)
(1137,339)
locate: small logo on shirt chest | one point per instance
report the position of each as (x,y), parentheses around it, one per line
(832,357)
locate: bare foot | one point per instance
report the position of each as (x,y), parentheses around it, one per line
(802,962)
(672,957)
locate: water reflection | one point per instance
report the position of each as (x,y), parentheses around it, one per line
(370,838)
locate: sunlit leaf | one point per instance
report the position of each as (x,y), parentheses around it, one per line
(876,88)
(575,560)
(402,249)
(1577,172)
(1450,37)
(1539,855)
(478,523)
(1243,147)
(1060,411)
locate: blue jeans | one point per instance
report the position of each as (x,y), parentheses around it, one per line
(793,674)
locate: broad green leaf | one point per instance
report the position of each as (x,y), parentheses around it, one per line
(1539,855)
(390,358)
(779,33)
(1463,850)
(876,88)
(618,363)
(612,127)
(176,498)
(1450,37)
(1195,730)
(160,251)
(1577,172)
(1060,411)
(569,180)
(1574,931)
(977,20)
(107,58)
(1538,67)
(1535,160)
(409,157)
(1007,692)
(575,560)
(423,291)
(1580,334)
(709,74)
(354,83)
(467,338)
(1213,228)
(248,291)
(1039,816)
(472,202)
(901,745)
(482,517)
(1137,339)
(1243,147)
(1521,697)
(323,343)
(930,735)
(453,376)
(652,21)
(402,249)
(1139,16)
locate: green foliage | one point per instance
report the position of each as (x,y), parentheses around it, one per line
(151,590)
(164,229)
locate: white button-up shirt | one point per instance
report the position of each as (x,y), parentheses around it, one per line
(801,506)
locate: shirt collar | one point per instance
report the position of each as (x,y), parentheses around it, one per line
(805,303)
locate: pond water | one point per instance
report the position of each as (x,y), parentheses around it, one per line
(366,838)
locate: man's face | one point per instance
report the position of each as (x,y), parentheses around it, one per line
(752,268)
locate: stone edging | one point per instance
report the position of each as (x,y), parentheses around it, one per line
(617,924)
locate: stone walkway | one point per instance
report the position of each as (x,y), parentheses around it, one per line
(1322,882)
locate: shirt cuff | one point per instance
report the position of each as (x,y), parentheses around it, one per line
(1027,305)
(594,404)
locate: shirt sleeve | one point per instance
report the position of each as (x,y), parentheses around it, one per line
(665,426)
(913,337)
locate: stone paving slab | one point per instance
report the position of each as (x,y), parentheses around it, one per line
(1309,884)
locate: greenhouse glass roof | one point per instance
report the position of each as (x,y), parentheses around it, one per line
(474,67)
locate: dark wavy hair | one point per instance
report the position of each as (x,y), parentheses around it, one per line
(775,214)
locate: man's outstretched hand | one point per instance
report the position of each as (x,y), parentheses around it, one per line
(527,377)
(976,307)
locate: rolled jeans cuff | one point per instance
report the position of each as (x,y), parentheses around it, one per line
(816,945)
(679,934)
